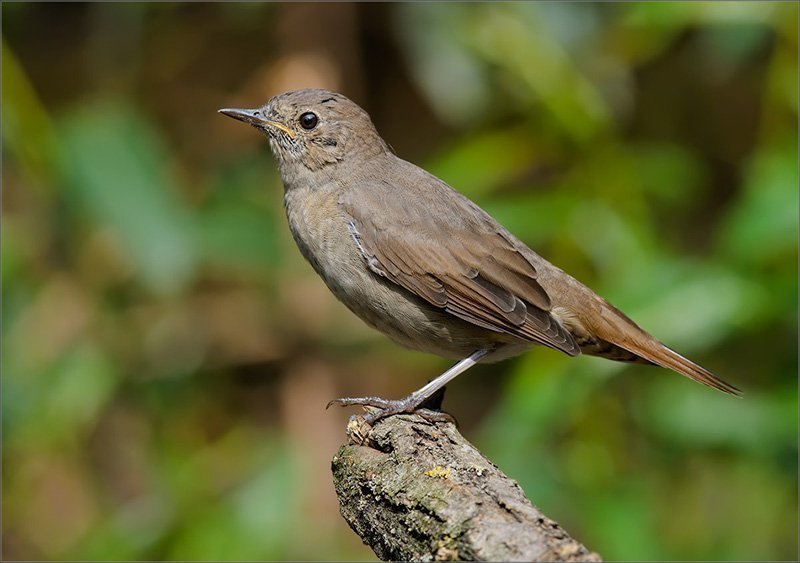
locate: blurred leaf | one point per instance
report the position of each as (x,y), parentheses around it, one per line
(452,79)
(729,45)
(11,270)
(622,527)
(683,14)
(512,38)
(78,387)
(760,423)
(252,521)
(478,164)
(762,228)
(696,308)
(27,129)
(234,233)
(669,172)
(533,217)
(239,227)
(118,170)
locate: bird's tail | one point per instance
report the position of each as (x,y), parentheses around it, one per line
(670,359)
(623,332)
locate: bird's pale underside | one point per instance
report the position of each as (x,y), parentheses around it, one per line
(423,264)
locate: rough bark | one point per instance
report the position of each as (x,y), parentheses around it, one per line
(418,491)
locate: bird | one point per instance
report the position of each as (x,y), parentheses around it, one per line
(423,264)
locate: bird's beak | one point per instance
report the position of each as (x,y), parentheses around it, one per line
(255,118)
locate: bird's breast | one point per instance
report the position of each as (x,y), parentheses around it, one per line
(319,228)
(324,235)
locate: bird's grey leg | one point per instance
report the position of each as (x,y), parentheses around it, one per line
(412,402)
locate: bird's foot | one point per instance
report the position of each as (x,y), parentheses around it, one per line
(384,408)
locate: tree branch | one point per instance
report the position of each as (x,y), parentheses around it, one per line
(417,491)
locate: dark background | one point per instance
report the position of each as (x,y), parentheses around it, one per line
(167,354)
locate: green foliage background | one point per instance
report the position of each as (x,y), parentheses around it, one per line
(167,354)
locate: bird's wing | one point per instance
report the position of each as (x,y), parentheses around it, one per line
(443,248)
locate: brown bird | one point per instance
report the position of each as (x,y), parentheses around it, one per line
(423,264)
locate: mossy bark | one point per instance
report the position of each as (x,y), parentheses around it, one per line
(418,491)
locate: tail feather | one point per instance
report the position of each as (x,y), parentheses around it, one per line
(670,359)
(616,328)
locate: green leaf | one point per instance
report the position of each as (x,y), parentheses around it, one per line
(118,170)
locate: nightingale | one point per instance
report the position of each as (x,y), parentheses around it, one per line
(421,262)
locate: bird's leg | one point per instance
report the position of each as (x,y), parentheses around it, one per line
(413,402)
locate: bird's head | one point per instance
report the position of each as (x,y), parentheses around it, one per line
(313,129)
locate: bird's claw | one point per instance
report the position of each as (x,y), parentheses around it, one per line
(383,408)
(376,402)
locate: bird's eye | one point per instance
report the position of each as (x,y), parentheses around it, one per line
(308,120)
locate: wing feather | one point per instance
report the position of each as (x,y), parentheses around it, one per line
(467,264)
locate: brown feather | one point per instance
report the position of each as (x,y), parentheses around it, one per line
(615,327)
(665,357)
(471,268)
